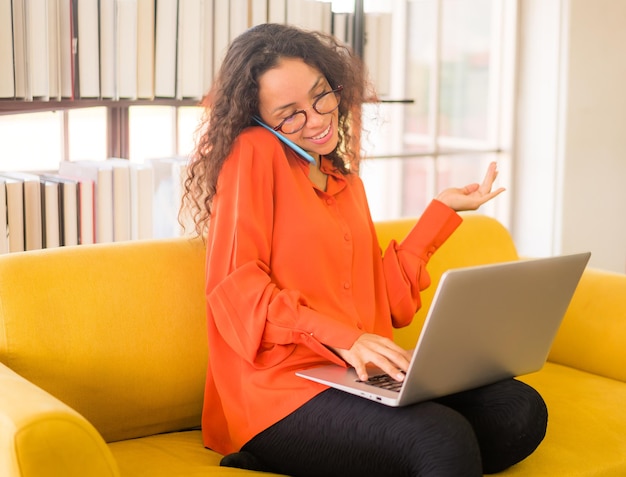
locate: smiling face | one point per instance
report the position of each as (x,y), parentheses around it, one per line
(293,86)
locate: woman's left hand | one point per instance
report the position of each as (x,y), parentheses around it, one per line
(472,196)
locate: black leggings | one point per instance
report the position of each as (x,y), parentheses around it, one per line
(336,434)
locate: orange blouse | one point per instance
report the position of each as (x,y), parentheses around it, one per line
(291,270)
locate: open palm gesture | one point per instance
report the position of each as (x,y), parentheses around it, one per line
(472,196)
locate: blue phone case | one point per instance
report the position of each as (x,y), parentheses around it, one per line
(289,143)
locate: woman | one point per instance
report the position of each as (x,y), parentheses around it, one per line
(295,278)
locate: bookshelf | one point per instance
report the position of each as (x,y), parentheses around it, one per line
(60,51)
(16,106)
(38,48)
(117,115)
(67,55)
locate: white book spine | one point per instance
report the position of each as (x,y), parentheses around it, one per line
(20,51)
(277,11)
(66,54)
(145,48)
(165,49)
(88,49)
(258,14)
(126,49)
(189,83)
(141,187)
(239,15)
(107,42)
(221,35)
(51,214)
(4,219)
(36,15)
(54,49)
(7,70)
(15,215)
(33,215)
(208,62)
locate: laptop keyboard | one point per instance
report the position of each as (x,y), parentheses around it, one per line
(383,381)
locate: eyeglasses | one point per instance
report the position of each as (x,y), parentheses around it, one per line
(325,103)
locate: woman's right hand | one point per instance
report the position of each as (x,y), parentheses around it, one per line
(378,351)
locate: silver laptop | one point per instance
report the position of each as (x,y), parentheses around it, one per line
(485,324)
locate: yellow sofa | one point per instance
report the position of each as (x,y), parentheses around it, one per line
(103,356)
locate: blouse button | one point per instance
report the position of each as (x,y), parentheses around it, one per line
(346,285)
(346,237)
(329,201)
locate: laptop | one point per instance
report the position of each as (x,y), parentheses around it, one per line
(485,324)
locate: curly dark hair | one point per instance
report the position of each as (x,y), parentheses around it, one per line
(234,99)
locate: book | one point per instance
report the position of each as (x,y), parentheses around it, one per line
(165,48)
(145,48)
(310,15)
(68,49)
(4,219)
(190,55)
(276,11)
(169,172)
(107,45)
(19,51)
(118,49)
(54,49)
(377,50)
(69,211)
(121,198)
(343,27)
(295,13)
(101,176)
(208,62)
(141,209)
(51,213)
(126,48)
(32,214)
(326,11)
(258,13)
(221,32)
(36,49)
(240,12)
(7,70)
(15,213)
(86,211)
(88,48)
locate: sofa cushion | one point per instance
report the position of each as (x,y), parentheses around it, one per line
(584,438)
(586,422)
(593,332)
(115,331)
(177,454)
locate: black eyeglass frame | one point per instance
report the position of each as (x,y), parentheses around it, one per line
(337,92)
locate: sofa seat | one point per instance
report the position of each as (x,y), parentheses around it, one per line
(586,425)
(176,454)
(594,444)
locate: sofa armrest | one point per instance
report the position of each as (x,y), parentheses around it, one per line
(42,437)
(593,333)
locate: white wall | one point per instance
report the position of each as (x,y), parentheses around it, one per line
(570,153)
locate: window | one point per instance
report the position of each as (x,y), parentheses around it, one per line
(443,69)
(446,104)
(161,131)
(38,141)
(87,133)
(31,141)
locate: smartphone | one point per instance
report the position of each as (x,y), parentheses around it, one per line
(289,143)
